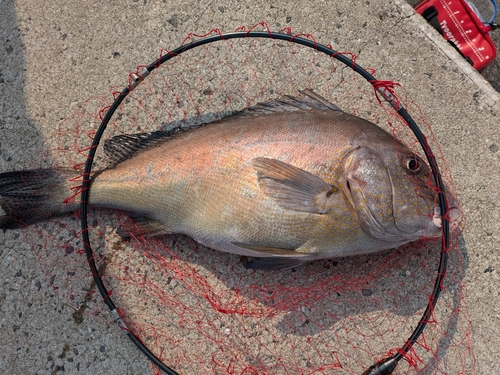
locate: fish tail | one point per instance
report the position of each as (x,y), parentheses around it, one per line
(29,196)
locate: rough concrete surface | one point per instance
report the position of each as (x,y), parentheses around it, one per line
(54,54)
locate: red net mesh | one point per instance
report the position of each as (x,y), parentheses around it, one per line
(200,310)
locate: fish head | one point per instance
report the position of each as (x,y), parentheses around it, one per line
(394,193)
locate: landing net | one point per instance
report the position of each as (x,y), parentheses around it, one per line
(199,310)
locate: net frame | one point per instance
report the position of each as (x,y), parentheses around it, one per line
(383,91)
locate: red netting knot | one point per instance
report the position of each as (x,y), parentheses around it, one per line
(386,89)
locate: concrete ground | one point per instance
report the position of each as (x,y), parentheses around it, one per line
(54,54)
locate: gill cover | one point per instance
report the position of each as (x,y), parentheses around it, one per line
(368,187)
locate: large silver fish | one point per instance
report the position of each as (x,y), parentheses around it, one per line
(287,181)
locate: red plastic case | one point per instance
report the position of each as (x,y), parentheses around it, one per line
(460,26)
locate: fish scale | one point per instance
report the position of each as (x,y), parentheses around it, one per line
(288,181)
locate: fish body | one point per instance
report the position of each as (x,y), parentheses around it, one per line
(287,181)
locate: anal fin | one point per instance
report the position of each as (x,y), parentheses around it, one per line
(142,226)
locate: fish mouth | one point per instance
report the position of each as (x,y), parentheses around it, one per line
(454,216)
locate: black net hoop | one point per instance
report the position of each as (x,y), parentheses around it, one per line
(383,90)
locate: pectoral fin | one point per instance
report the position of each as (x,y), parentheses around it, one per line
(291,187)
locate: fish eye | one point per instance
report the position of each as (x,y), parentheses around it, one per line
(412,164)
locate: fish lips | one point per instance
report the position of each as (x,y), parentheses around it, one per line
(454,216)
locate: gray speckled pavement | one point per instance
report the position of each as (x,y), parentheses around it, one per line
(53,54)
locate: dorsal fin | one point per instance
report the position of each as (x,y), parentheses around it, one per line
(123,147)
(308,100)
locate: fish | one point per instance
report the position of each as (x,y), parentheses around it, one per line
(287,181)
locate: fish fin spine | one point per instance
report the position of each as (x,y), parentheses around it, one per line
(308,100)
(142,226)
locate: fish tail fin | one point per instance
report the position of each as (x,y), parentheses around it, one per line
(29,196)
